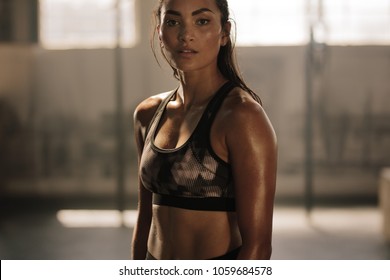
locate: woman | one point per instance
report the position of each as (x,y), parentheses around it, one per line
(207,151)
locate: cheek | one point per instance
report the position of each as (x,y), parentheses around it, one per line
(167,34)
(169,40)
(212,39)
(213,34)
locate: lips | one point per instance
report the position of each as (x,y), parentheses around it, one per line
(187,51)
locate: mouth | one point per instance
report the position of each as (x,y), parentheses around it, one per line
(187,51)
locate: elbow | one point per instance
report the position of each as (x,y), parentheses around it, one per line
(256,250)
(267,252)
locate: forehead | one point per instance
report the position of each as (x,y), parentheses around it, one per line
(188,6)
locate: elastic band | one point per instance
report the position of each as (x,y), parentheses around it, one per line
(191,203)
(232,255)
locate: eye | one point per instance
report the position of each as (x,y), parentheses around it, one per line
(202,21)
(171,22)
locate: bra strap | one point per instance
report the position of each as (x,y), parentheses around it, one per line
(213,107)
(157,115)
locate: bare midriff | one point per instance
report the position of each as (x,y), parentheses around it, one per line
(177,233)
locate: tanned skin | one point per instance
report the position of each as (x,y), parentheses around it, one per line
(241,135)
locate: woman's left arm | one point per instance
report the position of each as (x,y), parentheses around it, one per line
(252,152)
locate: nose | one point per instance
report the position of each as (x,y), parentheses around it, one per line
(186,34)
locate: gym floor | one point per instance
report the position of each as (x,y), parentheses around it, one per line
(57,231)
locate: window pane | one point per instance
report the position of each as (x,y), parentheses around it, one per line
(281,22)
(357,21)
(265,22)
(85,23)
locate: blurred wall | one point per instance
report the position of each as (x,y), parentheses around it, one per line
(57,115)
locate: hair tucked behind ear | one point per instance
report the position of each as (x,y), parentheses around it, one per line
(227,62)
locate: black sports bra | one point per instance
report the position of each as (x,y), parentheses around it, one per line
(191,176)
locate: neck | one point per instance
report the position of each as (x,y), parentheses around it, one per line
(196,90)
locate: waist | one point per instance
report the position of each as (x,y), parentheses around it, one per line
(187,234)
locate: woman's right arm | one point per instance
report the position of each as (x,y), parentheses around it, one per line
(142,227)
(142,118)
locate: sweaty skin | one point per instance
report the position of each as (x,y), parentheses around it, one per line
(241,135)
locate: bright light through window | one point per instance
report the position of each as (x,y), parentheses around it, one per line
(78,218)
(281,22)
(358,21)
(66,24)
(264,22)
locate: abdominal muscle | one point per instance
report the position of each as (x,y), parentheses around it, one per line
(177,233)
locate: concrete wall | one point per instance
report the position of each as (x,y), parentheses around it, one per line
(57,111)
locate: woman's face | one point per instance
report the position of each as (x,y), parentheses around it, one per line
(191,33)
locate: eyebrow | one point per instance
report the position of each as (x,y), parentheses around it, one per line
(194,13)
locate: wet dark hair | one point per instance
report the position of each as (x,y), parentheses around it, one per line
(227,62)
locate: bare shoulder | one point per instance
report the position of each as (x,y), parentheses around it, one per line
(241,111)
(145,110)
(238,99)
(143,115)
(242,127)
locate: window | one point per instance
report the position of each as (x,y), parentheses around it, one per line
(66,24)
(280,22)
(357,21)
(265,22)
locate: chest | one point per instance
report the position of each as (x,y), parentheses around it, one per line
(176,126)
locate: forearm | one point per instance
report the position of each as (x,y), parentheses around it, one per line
(138,251)
(139,245)
(141,236)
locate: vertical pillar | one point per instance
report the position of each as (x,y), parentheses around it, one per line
(120,136)
(309,126)
(384,201)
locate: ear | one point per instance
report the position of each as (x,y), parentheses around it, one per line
(226,33)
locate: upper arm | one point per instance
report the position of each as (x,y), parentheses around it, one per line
(252,152)
(143,115)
